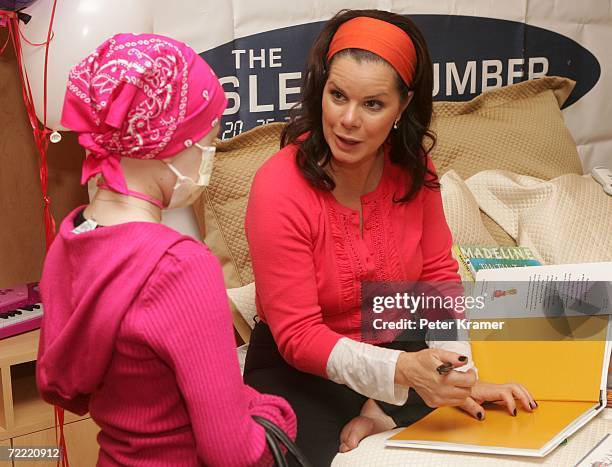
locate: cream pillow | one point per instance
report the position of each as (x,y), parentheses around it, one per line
(564,220)
(243,303)
(462,212)
(463,216)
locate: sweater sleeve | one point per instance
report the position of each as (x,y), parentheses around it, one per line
(280,240)
(188,324)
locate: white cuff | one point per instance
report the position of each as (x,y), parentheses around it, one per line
(366,369)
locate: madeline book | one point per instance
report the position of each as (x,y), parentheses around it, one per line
(473,258)
(562,360)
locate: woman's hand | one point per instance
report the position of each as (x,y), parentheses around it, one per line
(508,394)
(419,370)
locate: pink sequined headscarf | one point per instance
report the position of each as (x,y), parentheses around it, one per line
(142,96)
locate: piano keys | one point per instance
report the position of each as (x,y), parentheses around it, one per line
(21,309)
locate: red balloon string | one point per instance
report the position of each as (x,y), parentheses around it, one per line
(49,220)
(40,132)
(33,44)
(61,442)
(41,140)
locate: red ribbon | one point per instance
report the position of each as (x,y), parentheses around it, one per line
(41,140)
(39,131)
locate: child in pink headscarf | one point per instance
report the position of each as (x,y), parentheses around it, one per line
(137,328)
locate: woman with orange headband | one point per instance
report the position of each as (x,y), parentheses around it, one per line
(353,196)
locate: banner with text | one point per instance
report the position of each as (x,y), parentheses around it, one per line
(259,51)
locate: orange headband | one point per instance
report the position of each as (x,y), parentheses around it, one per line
(377,36)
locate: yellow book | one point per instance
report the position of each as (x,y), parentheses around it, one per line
(566,374)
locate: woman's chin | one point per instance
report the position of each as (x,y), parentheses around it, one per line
(344,160)
(345,155)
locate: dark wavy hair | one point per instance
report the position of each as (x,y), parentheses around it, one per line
(410,142)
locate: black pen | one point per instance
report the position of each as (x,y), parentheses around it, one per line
(445,368)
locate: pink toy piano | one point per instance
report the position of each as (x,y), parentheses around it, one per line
(20,309)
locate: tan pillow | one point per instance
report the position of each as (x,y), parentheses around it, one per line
(518,128)
(564,220)
(220,210)
(500,236)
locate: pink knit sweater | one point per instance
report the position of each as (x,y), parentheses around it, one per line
(137,330)
(310,257)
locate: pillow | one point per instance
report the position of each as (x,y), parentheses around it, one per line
(518,128)
(564,220)
(221,208)
(463,216)
(244,309)
(242,353)
(462,212)
(500,236)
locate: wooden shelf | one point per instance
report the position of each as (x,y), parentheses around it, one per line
(22,411)
(6,401)
(19,349)
(29,410)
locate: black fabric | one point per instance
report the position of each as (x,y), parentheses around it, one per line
(322,407)
(80,218)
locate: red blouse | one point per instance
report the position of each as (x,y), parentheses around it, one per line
(309,256)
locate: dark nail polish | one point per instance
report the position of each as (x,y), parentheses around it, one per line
(479,415)
(531,406)
(514,413)
(463,358)
(536,403)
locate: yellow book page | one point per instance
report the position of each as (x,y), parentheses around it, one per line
(499,429)
(555,370)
